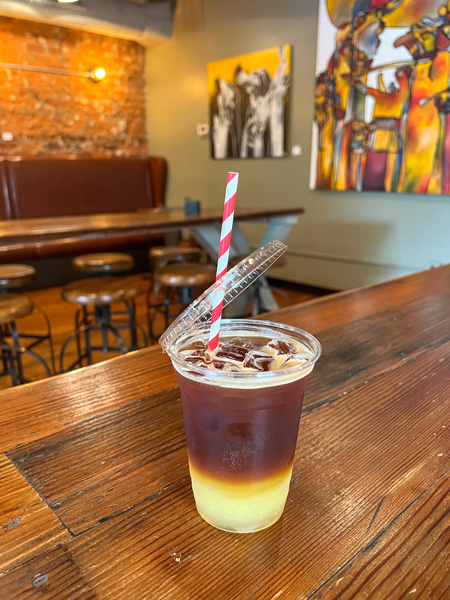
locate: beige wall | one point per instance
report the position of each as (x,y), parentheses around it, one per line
(343,239)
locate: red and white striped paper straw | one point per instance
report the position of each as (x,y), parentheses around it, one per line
(222,261)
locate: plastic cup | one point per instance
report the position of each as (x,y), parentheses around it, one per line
(241,428)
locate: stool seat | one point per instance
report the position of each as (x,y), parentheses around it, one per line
(172,252)
(14,306)
(186,275)
(103,262)
(100,290)
(12,276)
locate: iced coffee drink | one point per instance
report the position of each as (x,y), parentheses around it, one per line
(242,410)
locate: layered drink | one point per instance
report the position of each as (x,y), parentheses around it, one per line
(241,411)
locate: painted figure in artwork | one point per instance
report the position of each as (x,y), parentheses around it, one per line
(248,109)
(225,128)
(384,152)
(263,130)
(382,101)
(257,87)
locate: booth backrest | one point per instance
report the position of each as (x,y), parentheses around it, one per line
(53,186)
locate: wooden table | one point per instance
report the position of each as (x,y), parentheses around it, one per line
(30,235)
(25,239)
(95,495)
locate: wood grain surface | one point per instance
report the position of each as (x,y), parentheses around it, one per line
(128,455)
(28,526)
(150,221)
(22,239)
(420,534)
(368,511)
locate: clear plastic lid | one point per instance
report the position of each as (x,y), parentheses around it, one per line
(233,283)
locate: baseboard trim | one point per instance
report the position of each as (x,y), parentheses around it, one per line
(336,273)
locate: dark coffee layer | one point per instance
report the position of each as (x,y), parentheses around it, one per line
(241,434)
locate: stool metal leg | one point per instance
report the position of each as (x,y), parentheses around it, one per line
(87,336)
(9,361)
(119,338)
(186,295)
(17,353)
(8,355)
(10,330)
(4,356)
(80,318)
(75,335)
(48,336)
(131,308)
(12,354)
(103,317)
(134,325)
(86,330)
(102,323)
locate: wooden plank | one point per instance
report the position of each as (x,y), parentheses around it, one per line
(343,307)
(150,221)
(63,468)
(106,464)
(28,526)
(352,354)
(361,462)
(39,409)
(356,352)
(392,564)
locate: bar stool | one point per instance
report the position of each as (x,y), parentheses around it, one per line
(103,263)
(101,292)
(159,257)
(12,307)
(183,279)
(13,276)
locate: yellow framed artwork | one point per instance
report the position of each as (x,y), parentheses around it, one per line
(248,100)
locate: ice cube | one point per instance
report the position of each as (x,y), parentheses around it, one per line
(193,360)
(282,347)
(229,367)
(195,357)
(258,360)
(199,345)
(231,351)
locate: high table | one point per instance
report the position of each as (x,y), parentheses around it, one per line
(95,498)
(22,239)
(33,235)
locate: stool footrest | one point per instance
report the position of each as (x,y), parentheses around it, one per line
(101,319)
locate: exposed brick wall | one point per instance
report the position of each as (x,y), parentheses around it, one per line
(59,114)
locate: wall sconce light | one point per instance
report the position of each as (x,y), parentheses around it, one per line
(94,75)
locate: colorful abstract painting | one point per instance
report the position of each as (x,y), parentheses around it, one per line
(248,98)
(382,96)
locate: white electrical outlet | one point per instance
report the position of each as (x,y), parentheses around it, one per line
(7,136)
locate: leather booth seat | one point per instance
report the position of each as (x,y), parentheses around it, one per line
(67,185)
(55,186)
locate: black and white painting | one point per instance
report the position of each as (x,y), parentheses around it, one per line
(249,97)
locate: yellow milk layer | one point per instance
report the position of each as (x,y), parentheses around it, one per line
(241,507)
